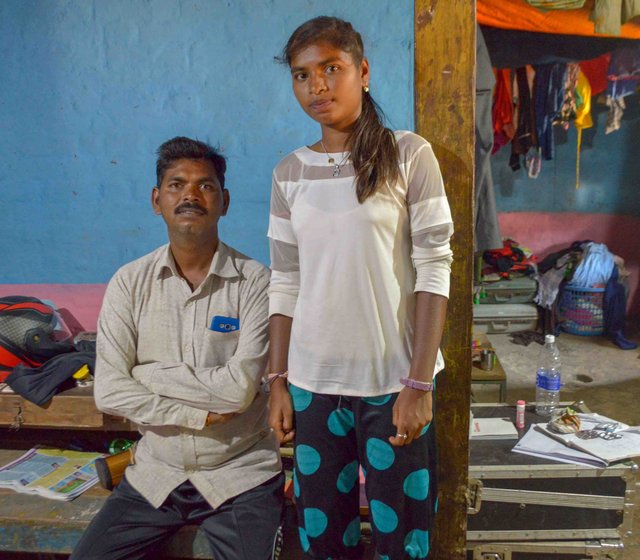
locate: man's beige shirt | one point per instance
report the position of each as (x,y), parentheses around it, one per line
(160,365)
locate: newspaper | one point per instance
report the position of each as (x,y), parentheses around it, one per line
(53,473)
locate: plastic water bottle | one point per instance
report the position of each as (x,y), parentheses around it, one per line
(548,380)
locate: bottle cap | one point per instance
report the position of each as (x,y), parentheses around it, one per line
(119,445)
(82,373)
(521,402)
(549,338)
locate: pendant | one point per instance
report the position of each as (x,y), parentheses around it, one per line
(336,170)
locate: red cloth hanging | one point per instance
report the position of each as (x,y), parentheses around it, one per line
(596,71)
(502,110)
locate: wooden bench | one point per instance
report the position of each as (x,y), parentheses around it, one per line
(32,524)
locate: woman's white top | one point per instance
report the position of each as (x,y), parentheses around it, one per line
(347,272)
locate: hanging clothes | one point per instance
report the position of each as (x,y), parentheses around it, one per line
(487,228)
(583,117)
(624,79)
(502,110)
(596,71)
(525,137)
(548,98)
(569,108)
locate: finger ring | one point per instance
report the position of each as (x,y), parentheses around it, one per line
(403,436)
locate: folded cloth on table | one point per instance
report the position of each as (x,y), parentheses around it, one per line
(39,384)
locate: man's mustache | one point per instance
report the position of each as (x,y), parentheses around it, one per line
(190,206)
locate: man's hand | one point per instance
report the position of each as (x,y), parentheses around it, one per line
(412,411)
(281,411)
(215,418)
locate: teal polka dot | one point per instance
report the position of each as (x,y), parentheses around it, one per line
(351,535)
(425,429)
(307,459)
(301,398)
(377,401)
(304,540)
(436,506)
(384,557)
(416,544)
(348,477)
(416,484)
(384,518)
(340,422)
(380,454)
(315,522)
(296,485)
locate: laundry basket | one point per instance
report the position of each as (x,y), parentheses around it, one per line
(580,310)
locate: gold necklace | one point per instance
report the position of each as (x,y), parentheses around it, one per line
(337,167)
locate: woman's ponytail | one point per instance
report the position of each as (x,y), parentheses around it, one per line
(374,152)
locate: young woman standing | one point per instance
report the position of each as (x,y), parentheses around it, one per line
(359,232)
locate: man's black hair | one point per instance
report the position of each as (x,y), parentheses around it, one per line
(181,147)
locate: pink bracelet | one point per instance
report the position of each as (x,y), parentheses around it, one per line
(273,376)
(415,384)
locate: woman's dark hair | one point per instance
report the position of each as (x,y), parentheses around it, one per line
(181,147)
(374,152)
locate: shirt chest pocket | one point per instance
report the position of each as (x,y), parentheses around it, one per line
(217,347)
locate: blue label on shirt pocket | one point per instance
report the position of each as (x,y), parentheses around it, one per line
(225,324)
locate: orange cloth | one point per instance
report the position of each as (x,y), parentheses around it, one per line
(518,14)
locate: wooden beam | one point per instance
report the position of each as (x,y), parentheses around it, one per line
(445,42)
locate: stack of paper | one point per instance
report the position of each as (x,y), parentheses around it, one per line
(53,473)
(492,428)
(584,447)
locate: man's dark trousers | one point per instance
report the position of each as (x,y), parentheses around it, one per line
(129,527)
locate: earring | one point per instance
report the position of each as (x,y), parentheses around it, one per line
(365,88)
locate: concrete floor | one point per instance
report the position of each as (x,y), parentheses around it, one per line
(594,370)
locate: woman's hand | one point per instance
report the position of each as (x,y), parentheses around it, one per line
(412,411)
(281,411)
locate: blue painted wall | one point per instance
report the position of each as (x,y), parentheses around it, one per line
(90,88)
(609,171)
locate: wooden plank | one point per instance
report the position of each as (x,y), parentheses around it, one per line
(10,406)
(444,108)
(74,408)
(77,411)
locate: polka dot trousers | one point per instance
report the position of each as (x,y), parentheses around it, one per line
(335,436)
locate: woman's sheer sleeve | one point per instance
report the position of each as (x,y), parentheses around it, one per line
(283,246)
(431,223)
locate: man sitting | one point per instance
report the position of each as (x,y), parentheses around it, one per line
(181,350)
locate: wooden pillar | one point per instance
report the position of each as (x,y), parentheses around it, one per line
(445,36)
